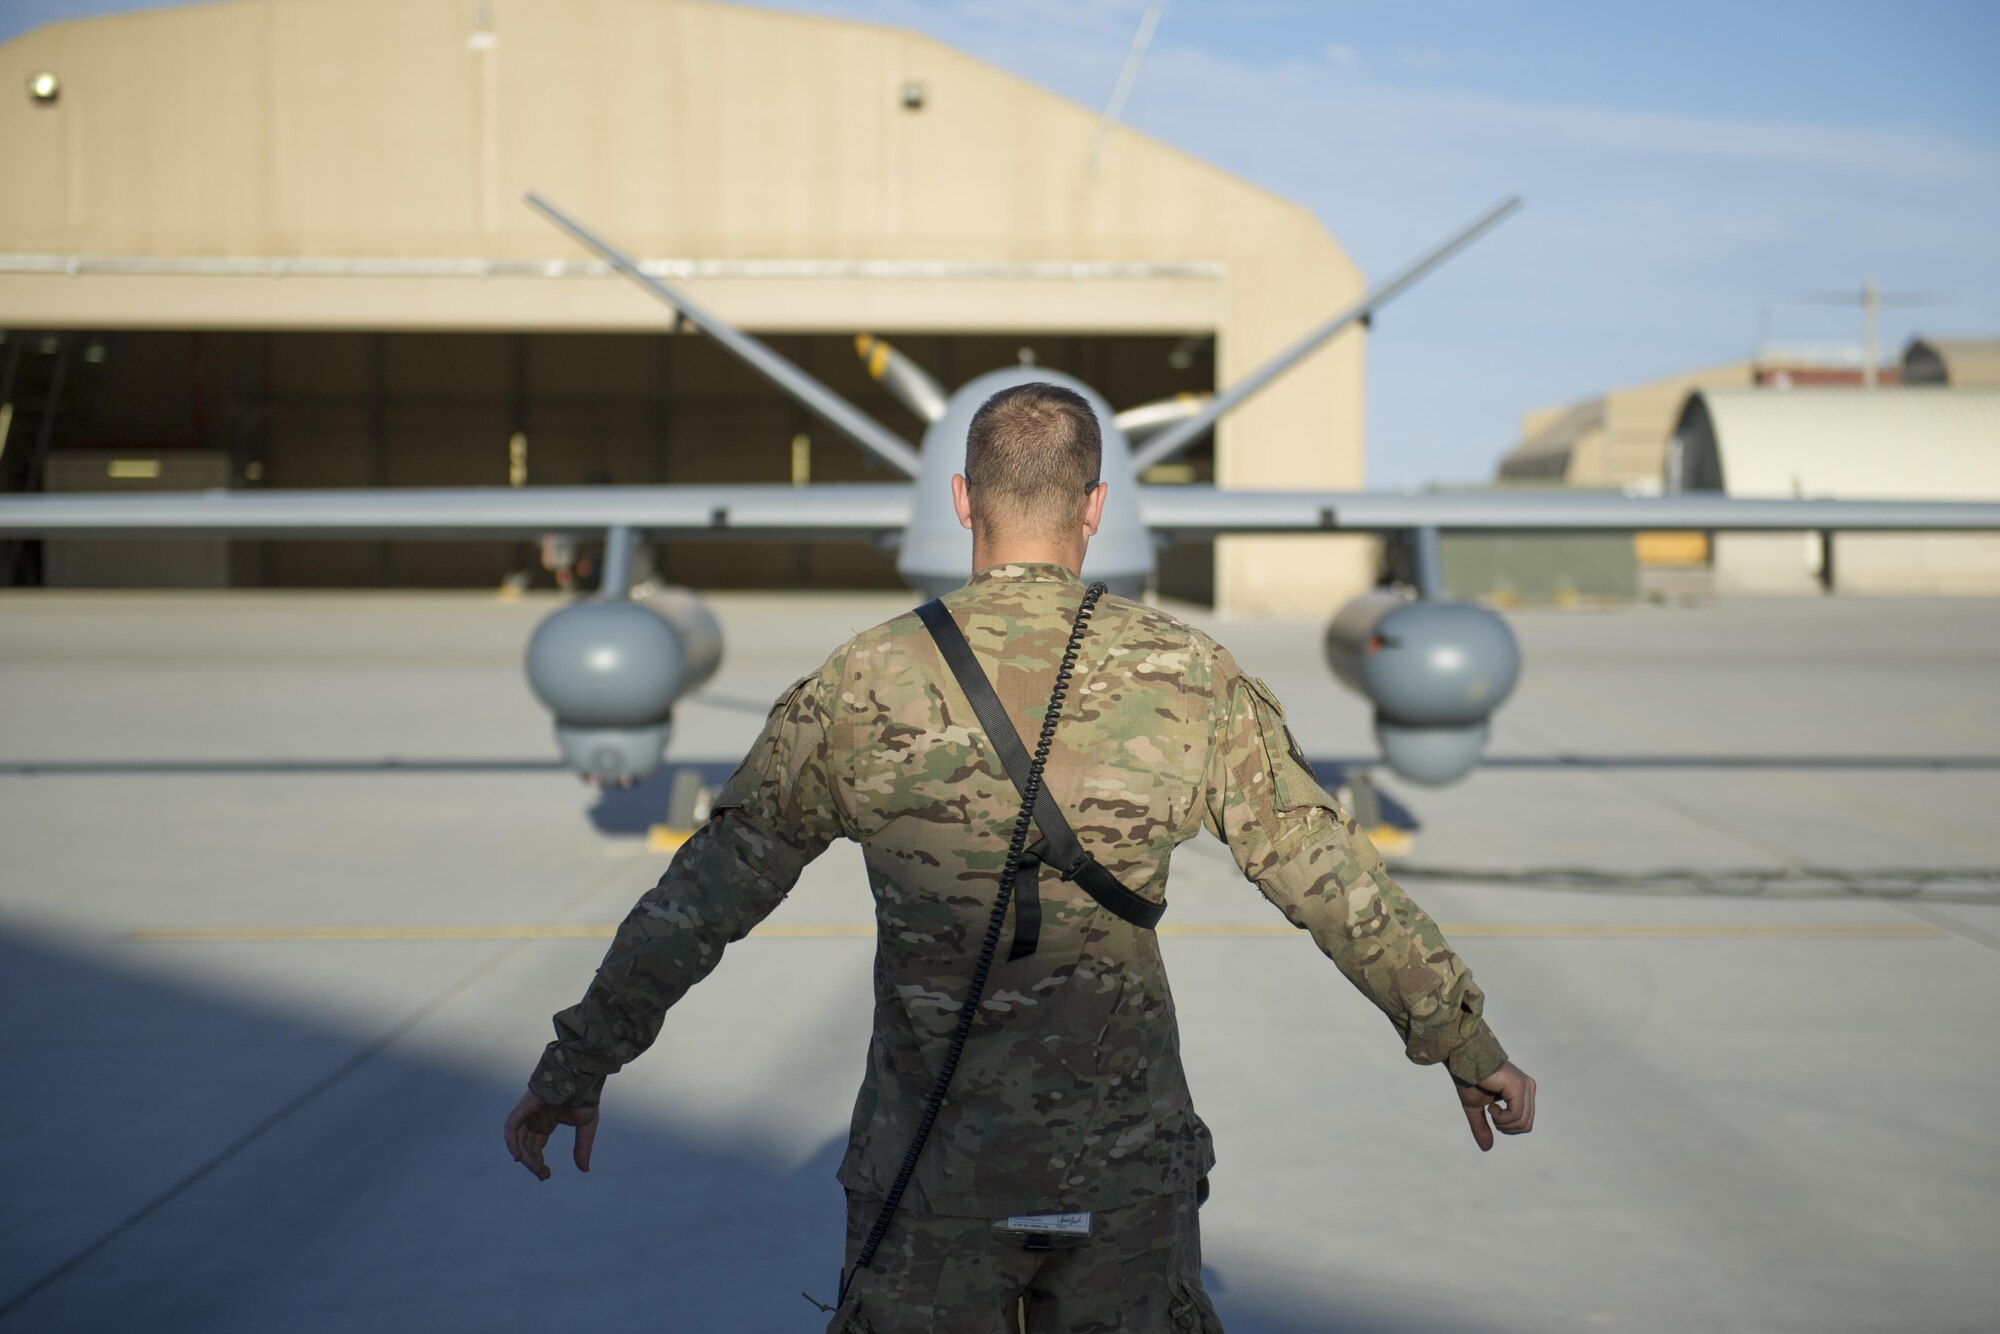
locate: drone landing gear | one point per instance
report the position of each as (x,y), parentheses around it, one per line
(688,801)
(1364,803)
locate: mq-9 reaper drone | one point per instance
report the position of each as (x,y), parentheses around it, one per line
(611,667)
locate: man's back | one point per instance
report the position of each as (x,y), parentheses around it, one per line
(1071,1087)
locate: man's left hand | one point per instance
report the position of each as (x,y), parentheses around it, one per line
(1507,1096)
(531,1123)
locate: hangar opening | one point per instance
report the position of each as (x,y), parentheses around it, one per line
(150,410)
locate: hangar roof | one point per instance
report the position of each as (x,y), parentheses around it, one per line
(1615,439)
(396,128)
(1843,443)
(346,163)
(1961,362)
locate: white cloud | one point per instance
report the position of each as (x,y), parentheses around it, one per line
(1424,59)
(1649,244)
(1341,55)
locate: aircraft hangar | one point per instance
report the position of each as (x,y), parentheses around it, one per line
(281,243)
(1791,424)
(1833,443)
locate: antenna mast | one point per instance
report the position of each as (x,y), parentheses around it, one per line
(1127,76)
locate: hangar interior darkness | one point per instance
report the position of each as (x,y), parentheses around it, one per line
(174,410)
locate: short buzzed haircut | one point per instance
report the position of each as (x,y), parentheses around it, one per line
(1031,456)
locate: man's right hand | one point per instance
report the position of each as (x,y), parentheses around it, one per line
(1507,1096)
(531,1123)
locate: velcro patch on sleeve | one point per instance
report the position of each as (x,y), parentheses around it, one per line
(762,761)
(1291,773)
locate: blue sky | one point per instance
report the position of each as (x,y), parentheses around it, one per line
(1686,167)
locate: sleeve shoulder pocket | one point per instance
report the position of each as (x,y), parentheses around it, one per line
(766,758)
(1294,783)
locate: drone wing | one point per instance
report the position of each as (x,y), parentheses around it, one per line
(826,510)
(1203,511)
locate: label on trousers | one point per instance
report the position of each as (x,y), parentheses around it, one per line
(1058,1225)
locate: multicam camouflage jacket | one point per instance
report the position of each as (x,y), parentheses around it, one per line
(1070,1094)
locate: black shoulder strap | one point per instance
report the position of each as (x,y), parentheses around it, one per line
(1058,847)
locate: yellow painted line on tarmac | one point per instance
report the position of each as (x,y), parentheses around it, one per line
(665,838)
(1202,930)
(1699,930)
(552,931)
(1602,930)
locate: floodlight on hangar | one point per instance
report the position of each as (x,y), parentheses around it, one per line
(44,87)
(913,94)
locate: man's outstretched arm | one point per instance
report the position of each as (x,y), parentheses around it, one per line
(1312,861)
(773,817)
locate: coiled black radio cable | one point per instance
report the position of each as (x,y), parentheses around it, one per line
(968,1013)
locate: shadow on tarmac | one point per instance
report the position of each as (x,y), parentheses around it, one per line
(1333,769)
(387,765)
(1333,775)
(178,1160)
(1854,763)
(631,811)
(1924,884)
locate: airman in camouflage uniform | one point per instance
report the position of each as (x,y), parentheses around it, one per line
(1070,1095)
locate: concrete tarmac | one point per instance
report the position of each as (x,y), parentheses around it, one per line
(292,884)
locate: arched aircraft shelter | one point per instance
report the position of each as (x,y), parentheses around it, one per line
(285,237)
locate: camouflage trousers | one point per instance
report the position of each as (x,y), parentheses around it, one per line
(1139,1272)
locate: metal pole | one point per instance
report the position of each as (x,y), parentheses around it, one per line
(7,389)
(658,406)
(659,422)
(27,561)
(378,436)
(1127,76)
(617,580)
(1427,564)
(1871,304)
(45,431)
